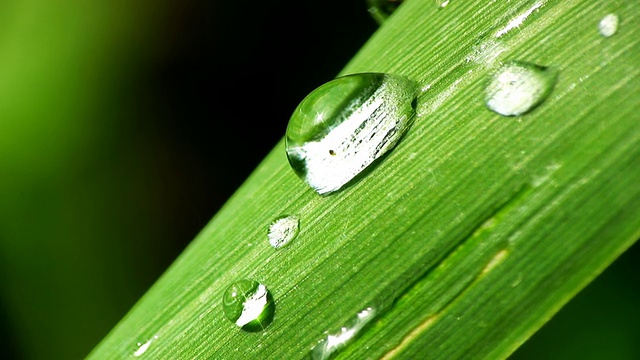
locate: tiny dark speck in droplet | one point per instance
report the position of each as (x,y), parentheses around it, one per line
(331,152)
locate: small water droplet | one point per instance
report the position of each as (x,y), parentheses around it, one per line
(142,348)
(343,126)
(334,342)
(608,25)
(380,10)
(518,87)
(520,19)
(249,305)
(283,230)
(442,3)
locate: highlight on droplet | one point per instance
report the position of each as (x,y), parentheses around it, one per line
(343,126)
(249,305)
(142,348)
(336,341)
(608,26)
(283,230)
(517,87)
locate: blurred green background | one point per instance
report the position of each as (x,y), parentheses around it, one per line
(124,126)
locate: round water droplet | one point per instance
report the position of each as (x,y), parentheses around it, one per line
(518,87)
(249,305)
(608,25)
(283,230)
(442,3)
(343,126)
(380,10)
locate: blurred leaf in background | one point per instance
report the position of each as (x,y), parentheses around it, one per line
(601,322)
(80,192)
(119,126)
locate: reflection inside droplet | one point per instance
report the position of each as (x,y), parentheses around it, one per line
(283,230)
(517,87)
(142,348)
(343,126)
(608,25)
(334,342)
(249,305)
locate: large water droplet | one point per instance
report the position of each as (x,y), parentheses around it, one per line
(380,10)
(283,230)
(249,305)
(334,342)
(608,25)
(518,87)
(343,126)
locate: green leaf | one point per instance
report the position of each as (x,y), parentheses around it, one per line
(466,238)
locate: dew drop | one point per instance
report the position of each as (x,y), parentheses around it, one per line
(442,3)
(334,342)
(518,87)
(608,25)
(142,348)
(249,305)
(517,21)
(343,126)
(380,10)
(283,230)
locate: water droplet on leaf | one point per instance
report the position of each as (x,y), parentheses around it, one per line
(380,10)
(343,126)
(249,305)
(334,342)
(517,87)
(608,25)
(442,3)
(283,230)
(142,348)
(517,21)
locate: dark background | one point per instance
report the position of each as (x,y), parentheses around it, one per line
(125,127)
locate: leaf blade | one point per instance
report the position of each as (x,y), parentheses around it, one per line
(436,202)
